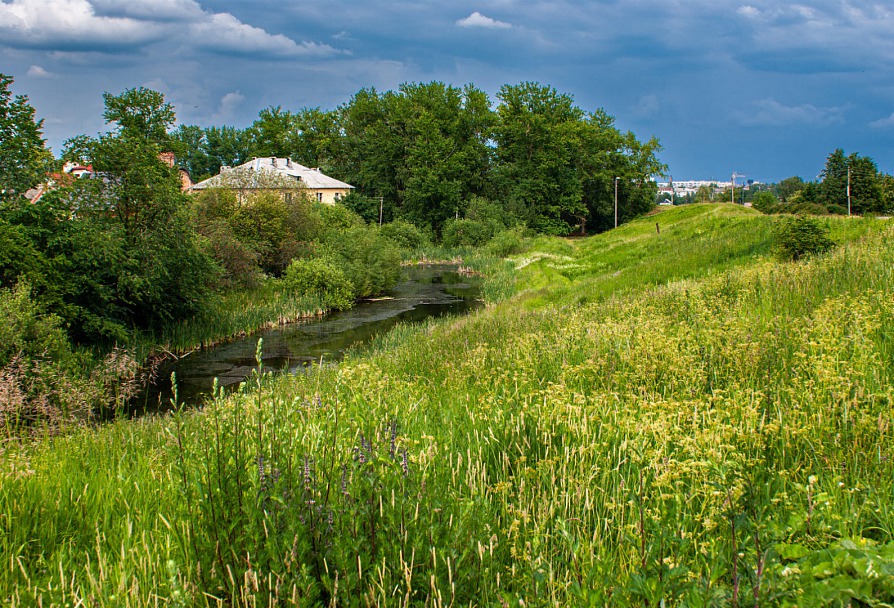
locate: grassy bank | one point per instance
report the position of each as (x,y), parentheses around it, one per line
(673,418)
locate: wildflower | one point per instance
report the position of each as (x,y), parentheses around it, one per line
(307,485)
(403,462)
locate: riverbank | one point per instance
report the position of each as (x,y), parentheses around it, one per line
(673,417)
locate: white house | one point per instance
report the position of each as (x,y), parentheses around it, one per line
(280,174)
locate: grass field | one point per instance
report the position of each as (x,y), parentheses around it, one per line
(652,419)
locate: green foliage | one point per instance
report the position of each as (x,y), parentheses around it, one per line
(320,278)
(788,187)
(488,212)
(765,202)
(337,218)
(466,233)
(422,148)
(369,261)
(556,165)
(845,573)
(507,242)
(801,236)
(367,207)
(706,426)
(24,160)
(27,331)
(140,113)
(404,234)
(864,183)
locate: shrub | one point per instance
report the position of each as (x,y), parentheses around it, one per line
(506,242)
(26,331)
(404,234)
(800,236)
(320,277)
(371,262)
(337,217)
(836,209)
(488,212)
(765,202)
(466,233)
(805,208)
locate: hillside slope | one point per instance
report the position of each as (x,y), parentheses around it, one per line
(673,418)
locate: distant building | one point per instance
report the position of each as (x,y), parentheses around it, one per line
(169,159)
(280,175)
(70,172)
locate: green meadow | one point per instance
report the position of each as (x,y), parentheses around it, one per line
(655,416)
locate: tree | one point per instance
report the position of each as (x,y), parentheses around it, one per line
(423,149)
(146,267)
(140,113)
(865,185)
(24,160)
(788,187)
(205,150)
(556,164)
(539,138)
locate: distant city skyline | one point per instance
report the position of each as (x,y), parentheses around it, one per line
(761,88)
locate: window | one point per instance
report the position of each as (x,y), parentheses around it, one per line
(319,197)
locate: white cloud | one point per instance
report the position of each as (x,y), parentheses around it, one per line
(749,11)
(883,123)
(772,113)
(223,32)
(60,24)
(476,19)
(229,103)
(100,25)
(35,71)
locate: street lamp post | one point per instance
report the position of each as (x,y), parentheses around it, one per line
(616,201)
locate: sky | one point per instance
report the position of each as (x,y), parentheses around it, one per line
(764,88)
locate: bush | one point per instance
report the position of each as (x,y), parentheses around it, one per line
(404,234)
(466,233)
(337,217)
(488,212)
(799,237)
(26,331)
(765,202)
(805,208)
(320,277)
(836,209)
(370,262)
(507,242)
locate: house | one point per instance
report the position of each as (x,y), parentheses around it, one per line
(170,160)
(277,174)
(70,172)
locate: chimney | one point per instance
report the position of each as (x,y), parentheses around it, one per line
(167,158)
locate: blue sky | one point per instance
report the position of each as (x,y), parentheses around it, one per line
(766,88)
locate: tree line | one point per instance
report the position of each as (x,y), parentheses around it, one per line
(427,150)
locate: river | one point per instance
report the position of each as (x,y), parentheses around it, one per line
(424,291)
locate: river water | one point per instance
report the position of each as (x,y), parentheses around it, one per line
(424,291)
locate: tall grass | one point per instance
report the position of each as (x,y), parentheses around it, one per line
(723,439)
(234,314)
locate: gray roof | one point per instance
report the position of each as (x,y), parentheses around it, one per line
(312,179)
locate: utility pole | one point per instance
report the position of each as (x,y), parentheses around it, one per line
(616,201)
(848,189)
(381,206)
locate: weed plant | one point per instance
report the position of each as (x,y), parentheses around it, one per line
(716,436)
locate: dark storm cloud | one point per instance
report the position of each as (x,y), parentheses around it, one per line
(714,79)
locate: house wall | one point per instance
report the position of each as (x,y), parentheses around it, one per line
(329,195)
